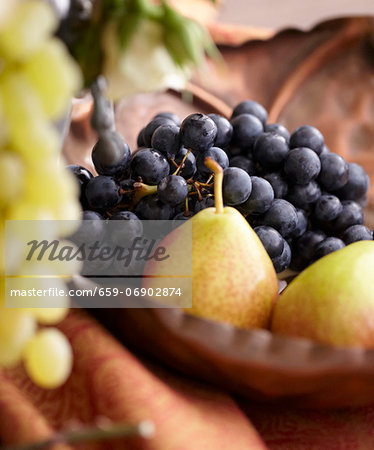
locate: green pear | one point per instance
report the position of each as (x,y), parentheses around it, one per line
(233,278)
(331,301)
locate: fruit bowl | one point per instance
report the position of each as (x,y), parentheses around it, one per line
(306,89)
(252,363)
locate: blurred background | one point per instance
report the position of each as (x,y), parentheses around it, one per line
(275,13)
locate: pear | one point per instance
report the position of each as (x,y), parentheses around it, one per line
(332,301)
(233,278)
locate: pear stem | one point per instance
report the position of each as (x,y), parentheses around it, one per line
(218,180)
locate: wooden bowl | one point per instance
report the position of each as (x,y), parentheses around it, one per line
(324,78)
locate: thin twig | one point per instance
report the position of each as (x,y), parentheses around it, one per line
(143,429)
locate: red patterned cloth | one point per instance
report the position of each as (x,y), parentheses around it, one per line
(109,381)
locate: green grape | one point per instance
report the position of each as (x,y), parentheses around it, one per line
(26,27)
(54,267)
(45,309)
(48,358)
(3,130)
(52,73)
(16,328)
(6,9)
(28,211)
(47,184)
(11,180)
(49,316)
(2,245)
(20,105)
(37,80)
(67,214)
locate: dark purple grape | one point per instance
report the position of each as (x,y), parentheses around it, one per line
(282,216)
(302,165)
(150,165)
(237,186)
(189,165)
(357,185)
(356,233)
(198,132)
(234,150)
(224,131)
(83,176)
(351,214)
(140,142)
(127,186)
(270,151)
(172,190)
(152,126)
(328,245)
(124,215)
(246,129)
(102,193)
(92,215)
(307,136)
(243,162)
(179,218)
(306,244)
(278,183)
(363,201)
(215,153)
(166,140)
(169,115)
(271,240)
(184,215)
(206,202)
(334,172)
(151,208)
(201,178)
(129,268)
(302,224)
(255,220)
(91,228)
(282,261)
(303,195)
(251,107)
(97,267)
(327,208)
(260,199)
(111,155)
(192,199)
(278,129)
(324,150)
(303,248)
(131,228)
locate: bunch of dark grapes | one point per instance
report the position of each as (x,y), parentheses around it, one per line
(302,200)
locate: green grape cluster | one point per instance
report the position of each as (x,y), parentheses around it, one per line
(38,77)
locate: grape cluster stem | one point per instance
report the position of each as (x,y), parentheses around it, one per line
(143,429)
(180,167)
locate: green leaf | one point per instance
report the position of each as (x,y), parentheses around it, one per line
(185,39)
(127,26)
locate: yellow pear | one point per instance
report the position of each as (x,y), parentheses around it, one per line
(332,301)
(233,278)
